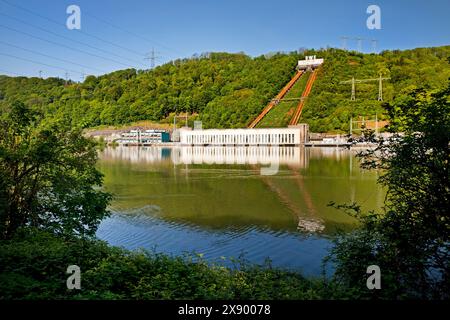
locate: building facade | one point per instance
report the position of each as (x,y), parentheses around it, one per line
(294,135)
(310,62)
(144,137)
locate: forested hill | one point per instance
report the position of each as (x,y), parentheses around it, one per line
(229,90)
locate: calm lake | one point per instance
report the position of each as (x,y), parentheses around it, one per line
(222,202)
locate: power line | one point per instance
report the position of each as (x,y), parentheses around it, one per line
(69,39)
(80,31)
(65,46)
(132,33)
(353,81)
(39,63)
(51,57)
(359,43)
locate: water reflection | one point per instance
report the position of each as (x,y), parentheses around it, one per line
(222,201)
(296,157)
(211,155)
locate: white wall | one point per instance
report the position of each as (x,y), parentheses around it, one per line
(269,136)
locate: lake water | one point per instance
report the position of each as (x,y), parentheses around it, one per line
(222,202)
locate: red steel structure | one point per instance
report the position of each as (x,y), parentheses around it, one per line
(296,117)
(273,102)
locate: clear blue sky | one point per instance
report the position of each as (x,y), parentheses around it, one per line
(180,28)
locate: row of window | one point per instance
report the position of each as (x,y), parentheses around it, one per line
(264,138)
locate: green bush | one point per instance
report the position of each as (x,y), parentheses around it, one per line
(410,239)
(34,266)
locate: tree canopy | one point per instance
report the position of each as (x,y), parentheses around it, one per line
(229,90)
(48,177)
(410,240)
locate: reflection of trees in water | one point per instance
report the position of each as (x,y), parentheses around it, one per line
(145,212)
(301,187)
(297,157)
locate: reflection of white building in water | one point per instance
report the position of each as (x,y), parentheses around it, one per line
(136,154)
(294,135)
(293,156)
(240,155)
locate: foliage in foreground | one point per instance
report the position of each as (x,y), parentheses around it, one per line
(48,177)
(33,266)
(410,240)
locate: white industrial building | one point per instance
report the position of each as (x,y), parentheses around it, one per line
(310,62)
(293,135)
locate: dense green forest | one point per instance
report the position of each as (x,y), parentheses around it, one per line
(51,205)
(229,90)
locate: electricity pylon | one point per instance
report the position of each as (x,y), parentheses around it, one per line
(152,56)
(353,81)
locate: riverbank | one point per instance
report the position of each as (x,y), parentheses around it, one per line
(34,267)
(113,136)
